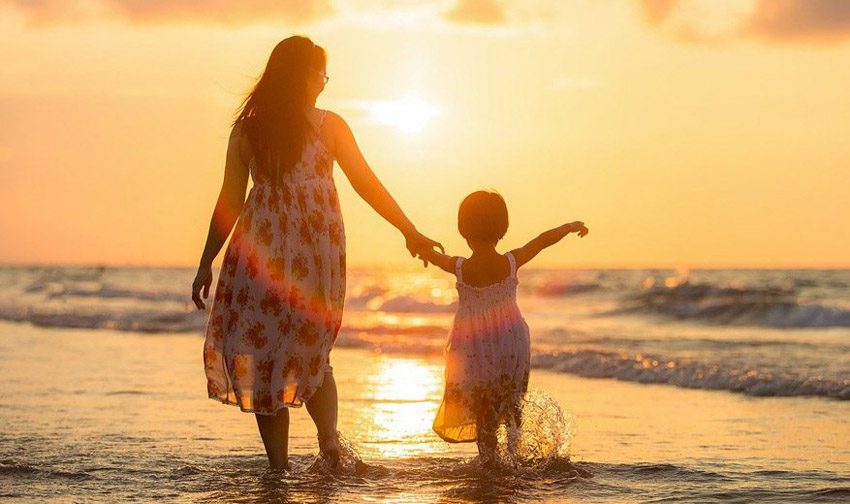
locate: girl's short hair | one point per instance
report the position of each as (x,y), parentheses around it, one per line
(483,215)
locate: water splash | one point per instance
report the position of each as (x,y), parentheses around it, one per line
(350,461)
(542,439)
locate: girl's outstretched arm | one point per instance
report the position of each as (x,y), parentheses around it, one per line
(546,239)
(444,262)
(366,184)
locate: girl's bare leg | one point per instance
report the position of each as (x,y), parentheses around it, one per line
(514,431)
(487,446)
(487,425)
(323,410)
(274,429)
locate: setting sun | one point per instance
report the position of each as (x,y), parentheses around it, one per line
(410,114)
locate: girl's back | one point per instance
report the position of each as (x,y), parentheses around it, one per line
(487,357)
(485,298)
(482,270)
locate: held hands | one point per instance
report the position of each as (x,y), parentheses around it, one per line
(418,244)
(203,279)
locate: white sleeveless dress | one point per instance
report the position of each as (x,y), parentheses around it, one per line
(279,299)
(487,358)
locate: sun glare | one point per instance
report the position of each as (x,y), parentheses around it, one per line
(410,114)
(406,397)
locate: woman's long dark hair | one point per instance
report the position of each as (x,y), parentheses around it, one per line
(273,114)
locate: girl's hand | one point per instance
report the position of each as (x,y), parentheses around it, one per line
(577,227)
(417,243)
(203,279)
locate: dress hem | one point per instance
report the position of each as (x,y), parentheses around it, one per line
(454,440)
(256,412)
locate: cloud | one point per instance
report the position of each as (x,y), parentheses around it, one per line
(477,12)
(770,20)
(227,12)
(491,16)
(655,11)
(50,11)
(790,19)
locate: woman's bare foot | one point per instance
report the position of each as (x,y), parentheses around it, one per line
(329,448)
(280,466)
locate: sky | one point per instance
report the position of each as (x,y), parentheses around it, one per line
(684,133)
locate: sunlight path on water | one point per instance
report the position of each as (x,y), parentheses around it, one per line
(401,399)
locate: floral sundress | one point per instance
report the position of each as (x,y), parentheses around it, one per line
(279,298)
(488,358)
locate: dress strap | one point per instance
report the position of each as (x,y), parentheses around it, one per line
(322,114)
(458,270)
(511,260)
(317,129)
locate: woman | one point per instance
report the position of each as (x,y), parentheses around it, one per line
(279,298)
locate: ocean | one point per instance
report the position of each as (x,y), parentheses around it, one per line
(658,385)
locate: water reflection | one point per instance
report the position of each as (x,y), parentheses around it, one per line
(405,394)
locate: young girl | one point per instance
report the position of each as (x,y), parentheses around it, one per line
(488,354)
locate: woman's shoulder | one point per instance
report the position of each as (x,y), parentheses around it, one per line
(332,119)
(239,138)
(239,132)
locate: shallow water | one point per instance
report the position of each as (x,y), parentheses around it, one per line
(104,415)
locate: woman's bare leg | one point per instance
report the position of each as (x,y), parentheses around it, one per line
(323,409)
(274,429)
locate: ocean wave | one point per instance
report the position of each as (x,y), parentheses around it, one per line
(562,289)
(409,330)
(127,319)
(360,297)
(411,304)
(643,368)
(395,342)
(15,469)
(167,318)
(709,344)
(96,290)
(768,307)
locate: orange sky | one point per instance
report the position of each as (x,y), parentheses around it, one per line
(684,133)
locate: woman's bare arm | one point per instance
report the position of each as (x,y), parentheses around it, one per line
(369,187)
(546,239)
(226,212)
